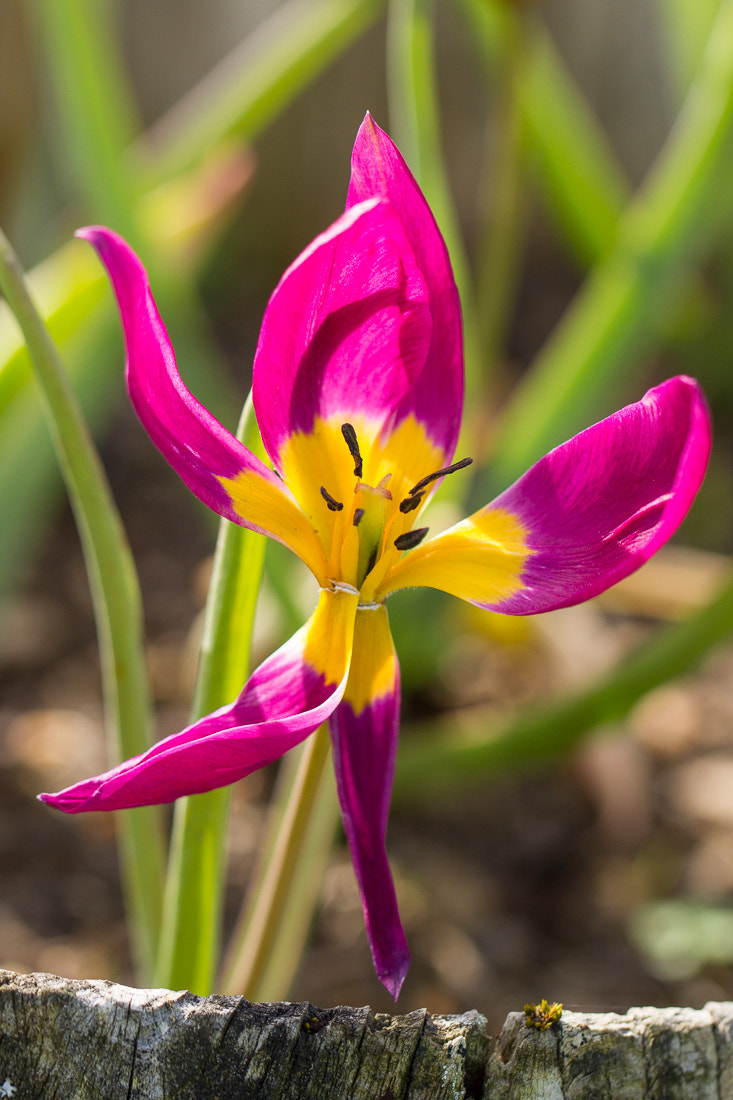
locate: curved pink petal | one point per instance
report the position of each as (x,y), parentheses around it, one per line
(599,506)
(346,330)
(436,399)
(584,517)
(208,458)
(286,699)
(364,731)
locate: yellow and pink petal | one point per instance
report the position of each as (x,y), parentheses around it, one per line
(584,517)
(364,731)
(285,700)
(222,473)
(345,333)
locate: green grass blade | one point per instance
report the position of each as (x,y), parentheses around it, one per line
(685,31)
(97,119)
(668,225)
(248,89)
(576,169)
(116,598)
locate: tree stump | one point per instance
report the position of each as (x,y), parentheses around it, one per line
(94,1040)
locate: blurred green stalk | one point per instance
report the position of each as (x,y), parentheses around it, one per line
(685,29)
(414,115)
(504,204)
(97,119)
(258,946)
(575,166)
(304,886)
(191,929)
(117,606)
(249,87)
(665,226)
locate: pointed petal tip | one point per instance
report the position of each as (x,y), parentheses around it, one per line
(368,124)
(120,260)
(96,234)
(61,801)
(394,978)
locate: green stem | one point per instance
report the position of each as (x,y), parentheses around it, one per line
(117,606)
(415,124)
(257,929)
(304,890)
(191,929)
(427,764)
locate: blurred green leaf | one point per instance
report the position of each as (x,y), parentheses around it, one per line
(448,753)
(668,225)
(680,937)
(576,167)
(686,29)
(96,118)
(256,81)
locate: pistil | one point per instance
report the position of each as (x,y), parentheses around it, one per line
(372,501)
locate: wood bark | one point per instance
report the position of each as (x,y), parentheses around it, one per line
(94,1040)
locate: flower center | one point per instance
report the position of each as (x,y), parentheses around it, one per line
(372,528)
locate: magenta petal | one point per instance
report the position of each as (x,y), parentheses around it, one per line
(195,444)
(599,506)
(436,400)
(364,746)
(345,332)
(284,701)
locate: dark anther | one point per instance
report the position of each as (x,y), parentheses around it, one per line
(440,473)
(347,431)
(333,505)
(372,560)
(411,539)
(358,513)
(409,504)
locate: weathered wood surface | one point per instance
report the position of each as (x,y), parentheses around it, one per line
(78,1040)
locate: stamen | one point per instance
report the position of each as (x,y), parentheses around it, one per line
(411,539)
(440,473)
(333,505)
(409,504)
(358,513)
(349,434)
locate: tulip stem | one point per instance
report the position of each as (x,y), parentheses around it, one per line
(303,785)
(191,928)
(117,607)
